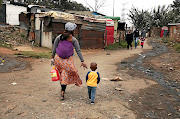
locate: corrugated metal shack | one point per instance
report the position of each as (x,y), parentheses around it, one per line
(174,31)
(45,26)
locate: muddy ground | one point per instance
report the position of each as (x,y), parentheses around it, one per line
(162,65)
(149,86)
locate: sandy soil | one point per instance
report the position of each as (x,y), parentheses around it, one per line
(30,93)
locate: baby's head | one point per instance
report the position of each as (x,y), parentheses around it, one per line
(93,66)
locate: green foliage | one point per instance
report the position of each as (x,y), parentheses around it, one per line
(157,17)
(116,46)
(176,10)
(74,6)
(172,43)
(139,17)
(6,45)
(22,35)
(36,54)
(1,1)
(161,16)
(58,4)
(177,47)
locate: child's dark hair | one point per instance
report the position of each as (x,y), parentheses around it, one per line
(66,35)
(93,66)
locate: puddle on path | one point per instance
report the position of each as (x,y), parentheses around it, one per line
(158,49)
(11,64)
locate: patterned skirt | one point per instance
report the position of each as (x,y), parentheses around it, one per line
(68,71)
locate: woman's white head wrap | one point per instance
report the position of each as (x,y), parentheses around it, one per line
(70,26)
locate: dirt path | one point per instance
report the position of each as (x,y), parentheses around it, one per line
(30,93)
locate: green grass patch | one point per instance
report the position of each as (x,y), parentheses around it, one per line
(6,45)
(177,47)
(116,46)
(22,35)
(35,54)
(172,43)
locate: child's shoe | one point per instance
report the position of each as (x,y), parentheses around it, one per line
(92,103)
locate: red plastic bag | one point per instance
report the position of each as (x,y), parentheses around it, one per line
(54,74)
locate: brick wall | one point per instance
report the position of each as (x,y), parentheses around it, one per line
(172,32)
(178,33)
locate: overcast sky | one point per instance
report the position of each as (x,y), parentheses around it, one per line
(118,5)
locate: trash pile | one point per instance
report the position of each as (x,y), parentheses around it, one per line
(10,36)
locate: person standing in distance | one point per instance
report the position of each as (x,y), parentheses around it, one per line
(129,39)
(136,36)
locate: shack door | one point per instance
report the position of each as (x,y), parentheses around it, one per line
(109,34)
(164,31)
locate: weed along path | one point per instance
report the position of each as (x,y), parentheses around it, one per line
(30,93)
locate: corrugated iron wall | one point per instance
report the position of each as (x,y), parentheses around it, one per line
(92,39)
(89,35)
(58,28)
(92,35)
(24,21)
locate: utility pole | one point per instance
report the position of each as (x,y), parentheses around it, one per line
(123,14)
(113,8)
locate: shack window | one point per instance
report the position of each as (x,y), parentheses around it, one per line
(174,30)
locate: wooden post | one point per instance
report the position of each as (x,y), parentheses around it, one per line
(119,37)
(106,38)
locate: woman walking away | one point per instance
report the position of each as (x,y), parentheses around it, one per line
(129,39)
(62,57)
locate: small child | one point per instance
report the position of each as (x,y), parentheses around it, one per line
(92,79)
(142,41)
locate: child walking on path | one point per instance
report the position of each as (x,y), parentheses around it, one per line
(92,79)
(142,41)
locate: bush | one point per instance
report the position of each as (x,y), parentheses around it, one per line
(4,44)
(177,47)
(172,43)
(22,35)
(116,46)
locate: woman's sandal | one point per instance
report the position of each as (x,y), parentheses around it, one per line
(62,97)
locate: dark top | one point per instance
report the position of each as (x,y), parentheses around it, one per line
(136,33)
(129,37)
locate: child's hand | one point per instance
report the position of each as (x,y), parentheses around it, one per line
(52,61)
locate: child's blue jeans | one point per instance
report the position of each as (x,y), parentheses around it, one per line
(91,92)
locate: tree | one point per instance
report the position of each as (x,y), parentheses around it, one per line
(75,6)
(1,1)
(139,18)
(59,4)
(97,4)
(158,17)
(161,16)
(176,10)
